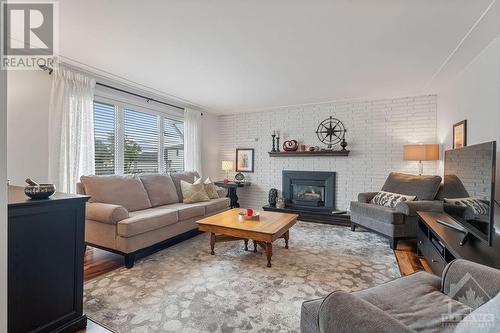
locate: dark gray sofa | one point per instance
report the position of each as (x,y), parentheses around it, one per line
(465,299)
(399,222)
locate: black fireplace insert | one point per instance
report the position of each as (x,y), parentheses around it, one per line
(311,189)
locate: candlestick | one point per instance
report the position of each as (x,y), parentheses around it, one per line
(274,147)
(278,144)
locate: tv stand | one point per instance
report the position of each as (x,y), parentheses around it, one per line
(454,225)
(440,241)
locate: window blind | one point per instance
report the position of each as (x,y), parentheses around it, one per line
(104,138)
(141,142)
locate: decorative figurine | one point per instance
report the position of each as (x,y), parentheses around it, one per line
(343,144)
(239,177)
(280,203)
(291,145)
(273,195)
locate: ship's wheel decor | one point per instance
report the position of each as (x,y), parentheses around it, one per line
(331,131)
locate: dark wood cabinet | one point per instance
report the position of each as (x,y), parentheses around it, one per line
(440,244)
(45,263)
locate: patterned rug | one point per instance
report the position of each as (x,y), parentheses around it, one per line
(185,289)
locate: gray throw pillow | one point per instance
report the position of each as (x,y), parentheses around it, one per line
(479,207)
(390,200)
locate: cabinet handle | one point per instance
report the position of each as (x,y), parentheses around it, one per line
(434,260)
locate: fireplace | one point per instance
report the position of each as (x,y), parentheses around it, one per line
(309,189)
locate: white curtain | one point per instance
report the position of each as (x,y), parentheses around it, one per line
(192,140)
(71,128)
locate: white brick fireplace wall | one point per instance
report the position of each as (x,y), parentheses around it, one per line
(377,131)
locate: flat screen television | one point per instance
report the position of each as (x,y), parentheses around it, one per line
(469,188)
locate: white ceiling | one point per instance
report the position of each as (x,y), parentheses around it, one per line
(237,56)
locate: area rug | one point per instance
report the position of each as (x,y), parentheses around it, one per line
(185,289)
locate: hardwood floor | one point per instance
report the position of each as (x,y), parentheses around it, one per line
(98,262)
(408,262)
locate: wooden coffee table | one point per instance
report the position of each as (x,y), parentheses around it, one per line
(227,226)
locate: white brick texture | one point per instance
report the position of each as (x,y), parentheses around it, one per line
(376,133)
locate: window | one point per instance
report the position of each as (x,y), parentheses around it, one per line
(173,135)
(131,140)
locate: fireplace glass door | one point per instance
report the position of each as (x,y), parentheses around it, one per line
(308,194)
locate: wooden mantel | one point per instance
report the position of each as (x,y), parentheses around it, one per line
(309,153)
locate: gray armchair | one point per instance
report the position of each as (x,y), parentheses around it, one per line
(399,222)
(465,299)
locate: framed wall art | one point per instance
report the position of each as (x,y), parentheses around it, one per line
(244,159)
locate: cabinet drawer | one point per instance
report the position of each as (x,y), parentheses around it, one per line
(435,260)
(422,243)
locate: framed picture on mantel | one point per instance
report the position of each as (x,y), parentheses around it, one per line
(244,159)
(460,134)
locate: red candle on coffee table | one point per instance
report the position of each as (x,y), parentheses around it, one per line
(249,212)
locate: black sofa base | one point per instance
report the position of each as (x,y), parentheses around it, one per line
(129,258)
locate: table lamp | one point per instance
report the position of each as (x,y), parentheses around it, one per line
(421,152)
(227,166)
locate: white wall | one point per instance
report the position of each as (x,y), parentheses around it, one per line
(474,95)
(28,97)
(3,201)
(377,131)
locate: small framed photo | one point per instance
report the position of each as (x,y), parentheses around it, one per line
(244,159)
(460,134)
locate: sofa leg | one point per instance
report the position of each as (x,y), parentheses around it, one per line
(353,227)
(393,243)
(129,260)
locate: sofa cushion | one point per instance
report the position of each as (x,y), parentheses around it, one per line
(160,188)
(423,187)
(416,301)
(379,213)
(187,176)
(187,211)
(127,191)
(216,205)
(146,220)
(192,193)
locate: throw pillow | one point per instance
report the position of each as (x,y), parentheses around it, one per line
(211,189)
(193,192)
(389,199)
(479,207)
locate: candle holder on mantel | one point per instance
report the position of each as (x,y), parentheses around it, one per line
(274,147)
(278,141)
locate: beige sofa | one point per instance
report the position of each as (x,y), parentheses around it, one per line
(139,214)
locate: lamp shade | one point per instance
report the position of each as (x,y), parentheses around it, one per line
(227,165)
(422,152)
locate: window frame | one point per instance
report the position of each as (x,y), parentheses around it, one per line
(121,104)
